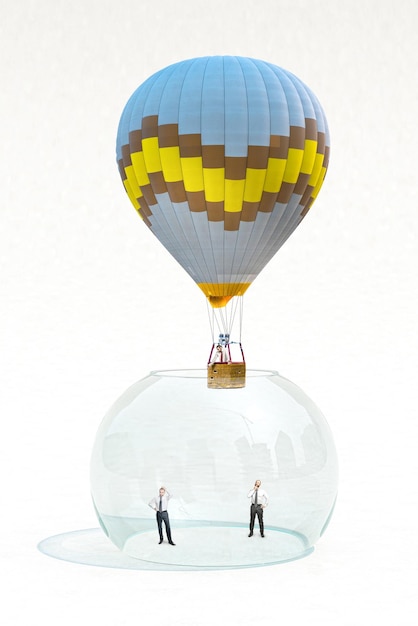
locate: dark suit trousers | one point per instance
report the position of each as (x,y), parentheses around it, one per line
(256,509)
(162,516)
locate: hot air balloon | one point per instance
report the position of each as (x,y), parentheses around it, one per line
(222,157)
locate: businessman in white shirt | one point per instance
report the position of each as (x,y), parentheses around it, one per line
(220,355)
(259,501)
(160,504)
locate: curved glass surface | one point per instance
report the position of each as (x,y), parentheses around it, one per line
(207,447)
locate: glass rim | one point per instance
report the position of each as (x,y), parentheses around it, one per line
(202,373)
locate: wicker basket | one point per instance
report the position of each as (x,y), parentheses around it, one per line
(226,375)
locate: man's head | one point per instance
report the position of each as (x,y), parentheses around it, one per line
(257,483)
(162,491)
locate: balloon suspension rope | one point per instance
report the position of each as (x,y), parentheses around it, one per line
(224,317)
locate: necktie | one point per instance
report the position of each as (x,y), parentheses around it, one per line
(256,497)
(160,508)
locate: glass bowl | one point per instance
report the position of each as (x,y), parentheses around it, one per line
(207,447)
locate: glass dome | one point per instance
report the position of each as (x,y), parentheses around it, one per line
(207,447)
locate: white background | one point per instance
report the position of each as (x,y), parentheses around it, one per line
(91,302)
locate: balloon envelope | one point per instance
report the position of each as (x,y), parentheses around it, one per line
(222,157)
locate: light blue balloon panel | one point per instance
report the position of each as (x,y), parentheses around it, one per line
(207,448)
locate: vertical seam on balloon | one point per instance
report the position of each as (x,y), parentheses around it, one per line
(255,258)
(209,229)
(268,102)
(151,84)
(249,261)
(238,60)
(192,253)
(209,273)
(129,132)
(273,243)
(186,255)
(283,224)
(201,143)
(162,212)
(224,236)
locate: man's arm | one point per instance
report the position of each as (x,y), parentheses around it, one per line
(152,503)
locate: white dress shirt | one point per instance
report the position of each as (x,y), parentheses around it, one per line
(221,355)
(155,502)
(262,497)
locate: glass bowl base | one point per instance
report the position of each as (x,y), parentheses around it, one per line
(218,546)
(91,547)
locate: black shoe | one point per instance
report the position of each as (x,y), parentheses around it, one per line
(171,543)
(250,535)
(160,541)
(262,534)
